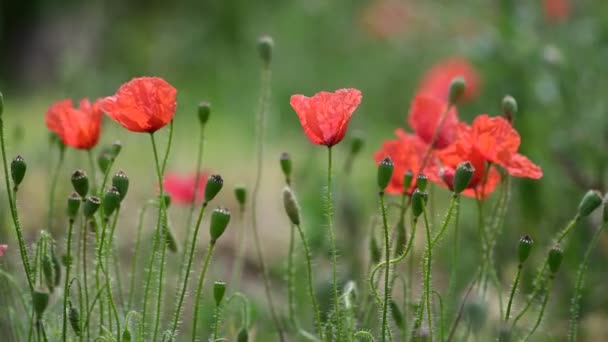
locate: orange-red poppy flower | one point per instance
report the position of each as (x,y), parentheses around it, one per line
(424,117)
(438,79)
(3,249)
(77,127)
(386,18)
(324,116)
(183,189)
(556,11)
(144,104)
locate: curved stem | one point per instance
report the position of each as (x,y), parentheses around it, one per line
(387,253)
(84,271)
(311,289)
(427,276)
(199,288)
(429,150)
(291,287)
(140,225)
(67,279)
(542,309)
(515,283)
(54,187)
(237,269)
(334,252)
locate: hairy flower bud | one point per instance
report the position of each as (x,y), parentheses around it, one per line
(240,192)
(462,176)
(40,301)
(80,182)
(408,176)
(47,271)
(219,221)
(556,255)
(219,289)
(265,46)
(418,202)
(285,162)
(243,335)
(591,201)
(509,107)
(457,88)
(422,181)
(204,111)
(213,186)
(104,159)
(374,250)
(74,318)
(111,201)
(356,144)
(385,172)
(121,182)
(292,208)
(18,168)
(170,239)
(524,248)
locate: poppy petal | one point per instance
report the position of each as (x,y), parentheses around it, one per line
(521,166)
(424,117)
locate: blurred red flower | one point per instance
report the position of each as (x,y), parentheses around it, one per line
(386,18)
(424,116)
(437,80)
(144,104)
(556,11)
(183,188)
(324,116)
(77,127)
(3,249)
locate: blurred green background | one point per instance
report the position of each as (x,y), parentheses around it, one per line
(555,66)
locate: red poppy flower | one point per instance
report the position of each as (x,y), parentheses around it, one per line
(407,152)
(438,79)
(3,249)
(144,104)
(386,18)
(424,116)
(324,117)
(556,10)
(77,127)
(183,188)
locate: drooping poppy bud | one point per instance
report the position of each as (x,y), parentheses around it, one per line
(166,200)
(265,46)
(126,334)
(80,182)
(285,162)
(170,239)
(418,202)
(240,192)
(292,208)
(400,239)
(421,182)
(457,88)
(91,204)
(18,167)
(556,255)
(356,143)
(374,250)
(214,185)
(74,318)
(47,271)
(73,205)
(396,313)
(111,201)
(56,268)
(204,111)
(462,176)
(104,160)
(243,335)
(219,221)
(40,301)
(509,107)
(385,173)
(524,248)
(121,182)
(408,176)
(591,201)
(219,289)
(115,149)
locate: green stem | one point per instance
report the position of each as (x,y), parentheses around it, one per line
(542,308)
(84,271)
(334,252)
(387,253)
(238,262)
(67,279)
(454,202)
(290,279)
(436,132)
(54,187)
(454,262)
(427,275)
(140,225)
(515,283)
(199,288)
(216,325)
(94,174)
(311,289)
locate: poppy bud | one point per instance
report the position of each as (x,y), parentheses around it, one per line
(396,313)
(240,192)
(47,271)
(556,255)
(73,205)
(204,110)
(589,203)
(111,201)
(374,250)
(121,182)
(219,221)
(285,161)
(524,248)
(421,182)
(213,186)
(385,172)
(292,208)
(91,204)
(219,289)
(104,160)
(418,202)
(171,240)
(509,107)
(462,176)
(126,334)
(56,268)
(115,149)
(408,176)
(357,144)
(166,200)
(65,260)
(80,182)
(265,46)
(243,335)
(74,318)
(18,167)
(40,301)
(400,238)
(457,88)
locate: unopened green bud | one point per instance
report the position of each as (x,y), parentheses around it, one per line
(115,149)
(285,162)
(385,173)
(292,208)
(524,248)
(166,200)
(170,239)
(121,182)
(204,111)
(40,301)
(18,167)
(56,268)
(374,250)
(91,204)
(462,176)
(408,176)
(422,181)
(80,182)
(219,289)
(418,202)
(509,107)
(243,335)
(213,186)
(556,255)
(396,313)
(73,205)
(126,334)
(104,159)
(111,201)
(265,46)
(591,201)
(240,192)
(47,271)
(74,318)
(219,221)
(357,144)
(457,88)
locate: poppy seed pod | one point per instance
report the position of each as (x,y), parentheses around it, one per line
(589,203)
(240,192)
(91,204)
(243,335)
(408,176)
(524,248)
(385,172)
(219,289)
(18,167)
(357,144)
(457,88)
(214,185)
(422,181)
(111,201)
(509,107)
(396,313)
(219,221)
(292,208)
(80,182)
(115,149)
(418,202)
(73,205)
(204,111)
(265,46)
(556,255)
(462,176)
(74,318)
(285,161)
(121,182)
(40,301)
